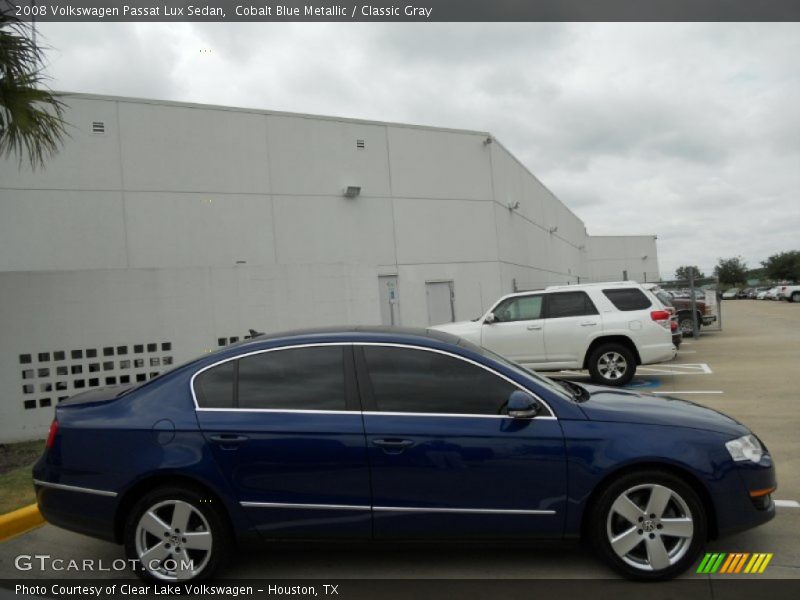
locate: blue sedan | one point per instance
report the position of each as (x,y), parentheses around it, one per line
(393,434)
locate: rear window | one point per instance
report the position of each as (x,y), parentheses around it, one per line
(628,298)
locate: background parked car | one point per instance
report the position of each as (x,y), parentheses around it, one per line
(789,292)
(607,328)
(730,294)
(683,308)
(772,294)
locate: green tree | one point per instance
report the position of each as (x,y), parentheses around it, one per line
(682,273)
(31,116)
(783,266)
(731,271)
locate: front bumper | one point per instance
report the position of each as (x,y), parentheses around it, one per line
(736,509)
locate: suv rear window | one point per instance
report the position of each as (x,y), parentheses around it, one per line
(628,298)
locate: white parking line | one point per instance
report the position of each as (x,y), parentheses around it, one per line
(787,503)
(692,392)
(676,369)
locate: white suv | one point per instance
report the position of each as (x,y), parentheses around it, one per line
(608,328)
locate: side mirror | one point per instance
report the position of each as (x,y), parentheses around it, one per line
(490,318)
(522,405)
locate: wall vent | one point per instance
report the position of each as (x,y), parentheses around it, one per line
(39,377)
(98,127)
(360,144)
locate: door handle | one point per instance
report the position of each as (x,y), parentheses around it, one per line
(588,323)
(228,441)
(534,327)
(393,446)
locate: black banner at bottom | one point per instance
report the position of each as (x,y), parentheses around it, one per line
(716,588)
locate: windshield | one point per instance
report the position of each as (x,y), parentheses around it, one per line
(540,379)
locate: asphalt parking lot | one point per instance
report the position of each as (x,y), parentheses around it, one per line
(748,371)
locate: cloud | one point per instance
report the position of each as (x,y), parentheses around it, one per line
(688,131)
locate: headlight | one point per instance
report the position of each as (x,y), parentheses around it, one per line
(746,447)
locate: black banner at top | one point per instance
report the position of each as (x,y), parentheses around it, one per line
(401,10)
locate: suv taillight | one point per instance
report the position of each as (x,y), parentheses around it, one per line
(662,317)
(51,437)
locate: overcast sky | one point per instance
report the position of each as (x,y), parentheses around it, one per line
(687,131)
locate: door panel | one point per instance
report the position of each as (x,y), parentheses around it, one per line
(390,300)
(295,456)
(483,466)
(518,331)
(444,461)
(292,459)
(572,320)
(440,302)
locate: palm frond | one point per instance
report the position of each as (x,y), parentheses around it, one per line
(31,116)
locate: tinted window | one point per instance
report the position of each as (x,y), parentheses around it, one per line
(300,379)
(418,381)
(569,304)
(665,298)
(524,308)
(628,298)
(214,387)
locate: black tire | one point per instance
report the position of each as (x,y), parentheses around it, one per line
(678,553)
(685,323)
(599,365)
(205,517)
(795,296)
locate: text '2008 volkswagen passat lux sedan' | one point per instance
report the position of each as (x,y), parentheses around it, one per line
(387,435)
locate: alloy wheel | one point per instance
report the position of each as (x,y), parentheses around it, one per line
(650,527)
(173,540)
(612,365)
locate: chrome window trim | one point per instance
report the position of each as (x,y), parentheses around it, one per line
(74,488)
(414,509)
(550,417)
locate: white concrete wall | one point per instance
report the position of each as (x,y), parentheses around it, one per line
(610,256)
(194,223)
(190,309)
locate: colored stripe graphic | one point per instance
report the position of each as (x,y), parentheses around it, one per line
(728,563)
(733,563)
(704,563)
(766,562)
(741,562)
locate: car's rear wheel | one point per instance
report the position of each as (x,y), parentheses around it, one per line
(649,525)
(612,364)
(796,297)
(176,534)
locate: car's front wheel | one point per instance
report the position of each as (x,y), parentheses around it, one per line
(176,534)
(686,324)
(649,525)
(612,364)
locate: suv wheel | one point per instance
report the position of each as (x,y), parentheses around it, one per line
(612,364)
(648,525)
(796,297)
(174,534)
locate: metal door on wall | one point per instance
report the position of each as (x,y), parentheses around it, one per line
(440,302)
(390,300)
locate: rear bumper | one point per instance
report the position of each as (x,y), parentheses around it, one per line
(657,353)
(84,510)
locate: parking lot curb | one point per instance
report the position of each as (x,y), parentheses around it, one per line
(19,521)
